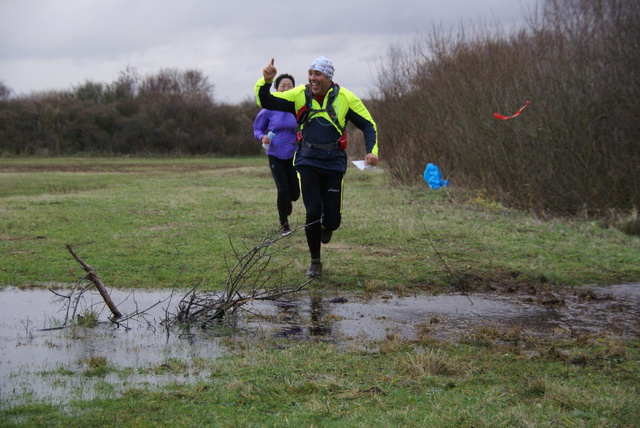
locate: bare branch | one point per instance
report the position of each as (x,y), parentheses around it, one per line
(248,280)
(93,277)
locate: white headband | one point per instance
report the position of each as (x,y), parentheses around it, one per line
(323,65)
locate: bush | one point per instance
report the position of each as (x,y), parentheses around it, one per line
(575,149)
(171,113)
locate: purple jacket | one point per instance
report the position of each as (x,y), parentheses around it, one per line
(284,125)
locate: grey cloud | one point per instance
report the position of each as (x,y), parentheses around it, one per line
(229,40)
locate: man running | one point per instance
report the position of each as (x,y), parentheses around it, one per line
(322,109)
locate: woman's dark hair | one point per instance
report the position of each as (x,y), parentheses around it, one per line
(285,76)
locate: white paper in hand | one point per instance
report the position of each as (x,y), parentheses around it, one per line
(360,164)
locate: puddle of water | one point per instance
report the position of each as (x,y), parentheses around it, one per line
(375,319)
(449,317)
(36,364)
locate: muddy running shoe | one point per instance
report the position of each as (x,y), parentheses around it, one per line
(325,238)
(286,230)
(315,267)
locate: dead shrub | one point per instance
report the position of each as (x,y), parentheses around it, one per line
(573,150)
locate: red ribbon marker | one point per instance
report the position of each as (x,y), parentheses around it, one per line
(501,117)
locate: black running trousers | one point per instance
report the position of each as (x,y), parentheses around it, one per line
(322,191)
(284,174)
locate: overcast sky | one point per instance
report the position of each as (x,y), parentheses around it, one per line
(59,44)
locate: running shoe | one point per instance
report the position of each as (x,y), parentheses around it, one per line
(286,230)
(315,267)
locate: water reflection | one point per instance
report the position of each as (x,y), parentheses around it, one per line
(290,320)
(41,364)
(319,325)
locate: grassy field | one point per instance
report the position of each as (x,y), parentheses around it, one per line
(162,223)
(172,223)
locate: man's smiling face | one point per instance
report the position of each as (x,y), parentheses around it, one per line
(320,83)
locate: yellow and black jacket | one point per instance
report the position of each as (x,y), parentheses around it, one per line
(319,132)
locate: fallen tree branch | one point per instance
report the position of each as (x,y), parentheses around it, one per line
(248,281)
(93,277)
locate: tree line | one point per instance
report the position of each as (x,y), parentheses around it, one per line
(172,112)
(574,150)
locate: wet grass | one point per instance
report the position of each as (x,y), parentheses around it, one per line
(89,318)
(166,223)
(590,381)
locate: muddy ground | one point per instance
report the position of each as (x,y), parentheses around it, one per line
(35,360)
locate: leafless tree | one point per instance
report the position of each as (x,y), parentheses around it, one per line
(5,92)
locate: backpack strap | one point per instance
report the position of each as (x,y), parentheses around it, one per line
(307,112)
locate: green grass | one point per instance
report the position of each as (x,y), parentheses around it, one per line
(395,383)
(166,222)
